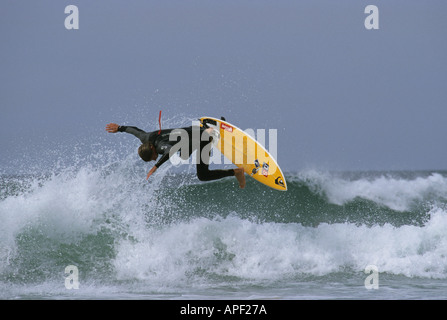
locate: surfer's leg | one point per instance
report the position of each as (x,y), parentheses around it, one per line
(240,176)
(205,174)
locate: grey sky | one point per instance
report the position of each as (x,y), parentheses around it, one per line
(341,97)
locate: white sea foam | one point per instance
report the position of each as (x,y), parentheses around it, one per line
(396,193)
(193,250)
(240,248)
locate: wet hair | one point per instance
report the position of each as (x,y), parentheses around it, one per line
(145,151)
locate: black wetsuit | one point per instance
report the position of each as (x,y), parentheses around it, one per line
(162,143)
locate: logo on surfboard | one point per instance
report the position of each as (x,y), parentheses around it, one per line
(226,127)
(265,169)
(280,182)
(256,168)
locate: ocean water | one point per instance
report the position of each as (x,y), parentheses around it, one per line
(175,237)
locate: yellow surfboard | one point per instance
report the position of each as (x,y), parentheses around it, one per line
(245,152)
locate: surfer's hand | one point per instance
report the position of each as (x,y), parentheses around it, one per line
(151,172)
(112,127)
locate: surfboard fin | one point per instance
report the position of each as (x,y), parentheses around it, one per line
(208,122)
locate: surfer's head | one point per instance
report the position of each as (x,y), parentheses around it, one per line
(146,152)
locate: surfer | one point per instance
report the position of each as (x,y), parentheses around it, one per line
(159,143)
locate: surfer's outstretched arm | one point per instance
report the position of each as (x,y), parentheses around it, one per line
(137,132)
(154,168)
(112,127)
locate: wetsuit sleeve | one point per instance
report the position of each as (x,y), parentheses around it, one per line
(140,134)
(165,155)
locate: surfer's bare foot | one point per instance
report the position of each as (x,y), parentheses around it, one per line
(240,176)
